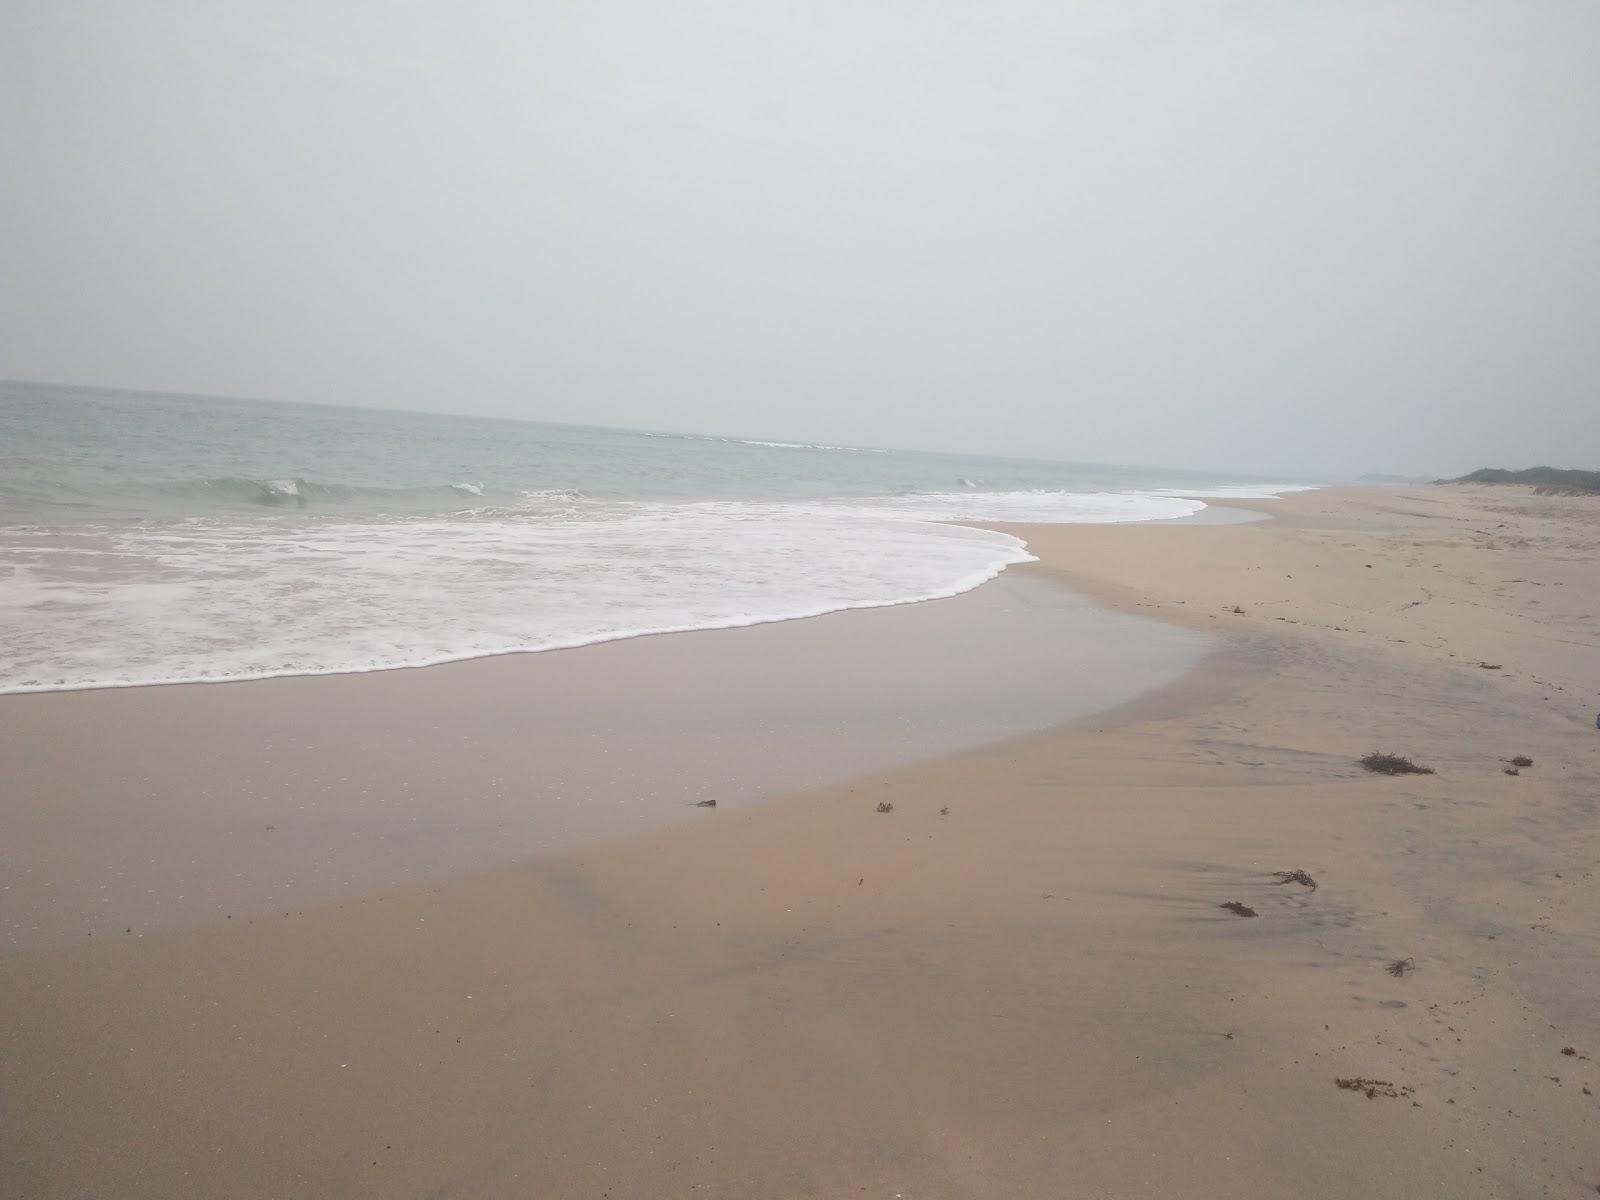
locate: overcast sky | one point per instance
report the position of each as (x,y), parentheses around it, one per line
(1315,238)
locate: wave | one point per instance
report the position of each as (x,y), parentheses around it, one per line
(224,492)
(734,441)
(348,594)
(805,446)
(956,587)
(1039,507)
(1240,491)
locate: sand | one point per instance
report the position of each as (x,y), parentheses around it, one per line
(152,809)
(1033,993)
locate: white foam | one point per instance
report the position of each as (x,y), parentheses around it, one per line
(1242,491)
(733,441)
(1045,508)
(806,446)
(237,598)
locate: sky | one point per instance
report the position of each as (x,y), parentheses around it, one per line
(1310,238)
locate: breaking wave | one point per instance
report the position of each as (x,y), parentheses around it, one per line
(302,592)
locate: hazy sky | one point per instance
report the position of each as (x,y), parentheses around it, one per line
(1316,238)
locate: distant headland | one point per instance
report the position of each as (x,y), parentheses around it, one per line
(1546,480)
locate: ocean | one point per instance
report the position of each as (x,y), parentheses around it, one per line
(150,538)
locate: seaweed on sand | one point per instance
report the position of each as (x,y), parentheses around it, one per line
(1393,764)
(1296,876)
(1373,1088)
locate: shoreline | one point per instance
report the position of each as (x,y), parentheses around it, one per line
(1212,513)
(251,796)
(1018,976)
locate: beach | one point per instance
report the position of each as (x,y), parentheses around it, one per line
(1018,980)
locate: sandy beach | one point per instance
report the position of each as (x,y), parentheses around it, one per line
(1018,982)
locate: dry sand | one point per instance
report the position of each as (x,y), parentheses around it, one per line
(1035,994)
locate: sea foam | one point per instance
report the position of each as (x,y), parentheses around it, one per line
(223,598)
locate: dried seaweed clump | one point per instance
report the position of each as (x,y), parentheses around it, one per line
(1393,764)
(1239,910)
(1401,967)
(1296,876)
(885,806)
(1374,1087)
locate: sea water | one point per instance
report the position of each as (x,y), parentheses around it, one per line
(156,538)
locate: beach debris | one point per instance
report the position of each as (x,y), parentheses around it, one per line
(1401,967)
(1512,771)
(1489,666)
(1237,609)
(1239,910)
(1521,760)
(885,807)
(705,803)
(1393,764)
(945,811)
(1373,1088)
(1296,876)
(1570,1051)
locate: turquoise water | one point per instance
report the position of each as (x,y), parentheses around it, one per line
(149,538)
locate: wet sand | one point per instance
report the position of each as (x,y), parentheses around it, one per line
(1018,982)
(161,807)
